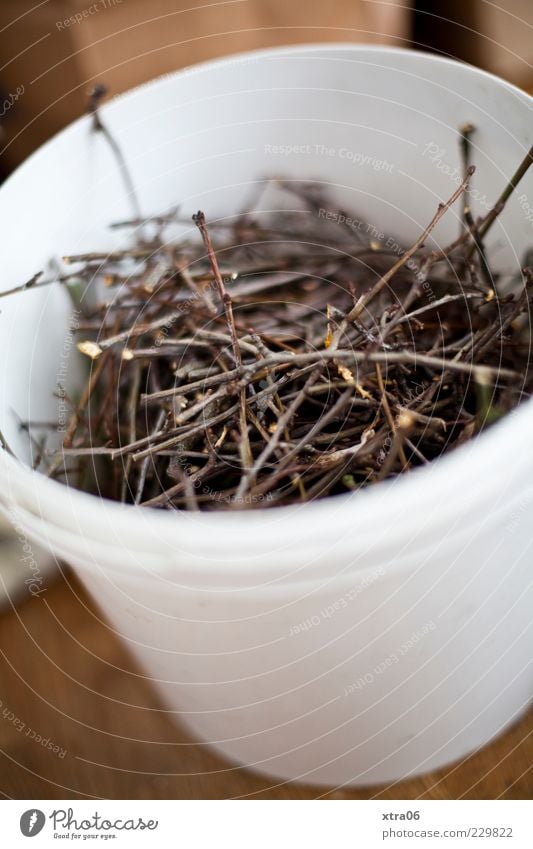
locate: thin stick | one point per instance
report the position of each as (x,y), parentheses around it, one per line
(388,413)
(76,415)
(95,349)
(95,98)
(189,491)
(132,424)
(395,451)
(249,477)
(167,496)
(447,299)
(442,208)
(258,376)
(5,445)
(357,357)
(466,150)
(492,215)
(193,431)
(145,464)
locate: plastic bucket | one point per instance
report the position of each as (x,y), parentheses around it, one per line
(363,638)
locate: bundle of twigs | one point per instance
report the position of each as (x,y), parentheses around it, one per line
(280,358)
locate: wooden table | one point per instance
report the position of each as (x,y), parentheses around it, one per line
(66,683)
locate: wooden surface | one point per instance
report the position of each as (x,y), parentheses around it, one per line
(65,679)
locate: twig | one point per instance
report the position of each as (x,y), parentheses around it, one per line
(492,215)
(146,462)
(377,287)
(249,477)
(30,284)
(5,445)
(388,413)
(273,404)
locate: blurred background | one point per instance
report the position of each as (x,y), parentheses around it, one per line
(63,669)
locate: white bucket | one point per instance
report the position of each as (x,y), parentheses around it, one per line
(360,639)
